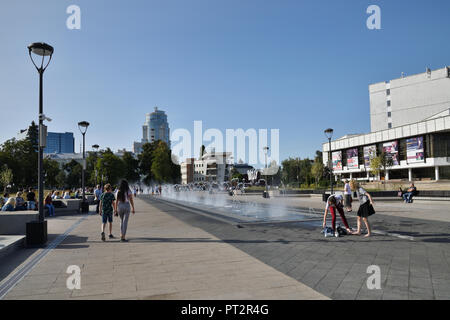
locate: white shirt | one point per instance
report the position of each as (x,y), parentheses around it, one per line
(347,189)
(361,194)
(127,195)
(338,198)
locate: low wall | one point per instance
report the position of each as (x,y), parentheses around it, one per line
(14,222)
(66,206)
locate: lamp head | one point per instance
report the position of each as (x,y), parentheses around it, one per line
(83,125)
(329,133)
(41,49)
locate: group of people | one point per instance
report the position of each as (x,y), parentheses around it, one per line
(18,203)
(335,203)
(119,203)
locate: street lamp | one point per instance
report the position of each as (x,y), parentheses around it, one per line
(266,150)
(329,135)
(37,231)
(83,126)
(95,146)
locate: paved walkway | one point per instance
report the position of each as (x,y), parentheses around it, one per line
(413,255)
(165,259)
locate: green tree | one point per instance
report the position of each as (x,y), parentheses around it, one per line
(317,170)
(381,163)
(145,162)
(236,174)
(73,178)
(162,163)
(91,166)
(61,179)
(6,177)
(51,171)
(111,167)
(131,166)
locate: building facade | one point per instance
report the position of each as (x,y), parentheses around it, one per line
(409,99)
(60,142)
(415,133)
(187,171)
(156,127)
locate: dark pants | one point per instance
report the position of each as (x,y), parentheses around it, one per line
(97,202)
(408,197)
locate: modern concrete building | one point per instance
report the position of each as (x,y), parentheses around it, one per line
(187,171)
(211,167)
(409,99)
(410,122)
(155,128)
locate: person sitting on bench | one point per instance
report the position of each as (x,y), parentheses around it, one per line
(408,195)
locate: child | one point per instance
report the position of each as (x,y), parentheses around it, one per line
(365,207)
(107,201)
(334,203)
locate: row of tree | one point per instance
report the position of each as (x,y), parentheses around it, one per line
(19,162)
(313,173)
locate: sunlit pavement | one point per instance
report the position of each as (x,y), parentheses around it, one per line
(165,258)
(413,255)
(179,253)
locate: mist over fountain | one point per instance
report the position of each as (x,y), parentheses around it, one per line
(245,206)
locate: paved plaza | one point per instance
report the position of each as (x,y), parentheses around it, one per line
(176,252)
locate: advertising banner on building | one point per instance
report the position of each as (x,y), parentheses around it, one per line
(337,160)
(414,150)
(391,150)
(370,152)
(352,158)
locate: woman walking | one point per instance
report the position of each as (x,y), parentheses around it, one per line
(124,199)
(365,207)
(348,196)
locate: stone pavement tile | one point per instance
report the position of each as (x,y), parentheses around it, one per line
(27,292)
(365,294)
(424,283)
(106,296)
(94,289)
(313,277)
(47,296)
(397,281)
(420,293)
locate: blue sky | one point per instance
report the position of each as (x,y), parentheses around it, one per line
(297,66)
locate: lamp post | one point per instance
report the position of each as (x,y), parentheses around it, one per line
(329,135)
(95,146)
(266,149)
(83,126)
(38,235)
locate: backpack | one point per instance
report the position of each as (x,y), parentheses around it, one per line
(341,231)
(328,232)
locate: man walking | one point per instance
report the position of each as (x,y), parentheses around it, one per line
(97,195)
(107,203)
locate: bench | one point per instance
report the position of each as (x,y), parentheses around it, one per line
(14,222)
(65,207)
